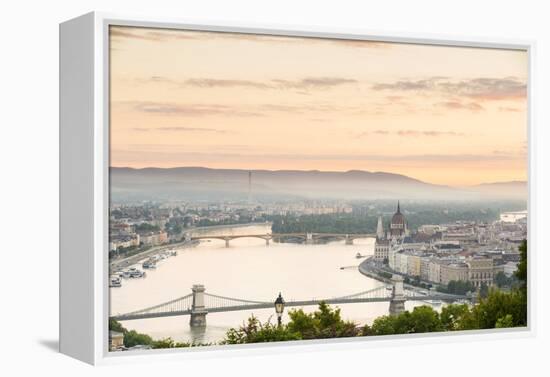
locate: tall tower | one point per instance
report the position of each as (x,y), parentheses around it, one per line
(398,224)
(380,228)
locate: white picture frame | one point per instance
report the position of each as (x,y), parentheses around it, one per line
(84,169)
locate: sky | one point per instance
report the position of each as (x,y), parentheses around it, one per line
(446,115)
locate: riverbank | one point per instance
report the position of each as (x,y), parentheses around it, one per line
(128,261)
(366,268)
(124,262)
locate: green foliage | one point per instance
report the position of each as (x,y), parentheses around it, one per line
(256,332)
(116,326)
(457,287)
(133,338)
(422,319)
(416,282)
(499,304)
(385,274)
(502,281)
(326,223)
(243,219)
(455,317)
(146,227)
(364,220)
(173,228)
(504,322)
(169,343)
(323,323)
(521,272)
(483,290)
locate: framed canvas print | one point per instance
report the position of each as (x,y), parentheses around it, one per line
(227,188)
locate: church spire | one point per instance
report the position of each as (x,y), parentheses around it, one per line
(380,228)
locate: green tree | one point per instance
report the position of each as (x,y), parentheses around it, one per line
(146,227)
(521,272)
(497,305)
(384,325)
(323,323)
(483,290)
(457,287)
(504,322)
(501,280)
(453,316)
(169,343)
(256,332)
(421,319)
(116,326)
(133,338)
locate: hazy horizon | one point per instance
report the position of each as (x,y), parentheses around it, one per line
(444,115)
(310,170)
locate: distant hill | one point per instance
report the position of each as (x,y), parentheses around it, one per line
(509,190)
(232,184)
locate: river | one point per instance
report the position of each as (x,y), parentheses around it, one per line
(248,269)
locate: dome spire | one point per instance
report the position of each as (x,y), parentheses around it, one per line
(398,209)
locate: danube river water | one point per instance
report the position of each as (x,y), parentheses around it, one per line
(248,269)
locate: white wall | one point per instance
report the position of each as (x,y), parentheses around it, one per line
(29,156)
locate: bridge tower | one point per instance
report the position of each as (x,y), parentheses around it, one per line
(226,241)
(309,238)
(397,303)
(198,311)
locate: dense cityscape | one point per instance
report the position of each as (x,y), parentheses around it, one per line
(472,251)
(463,257)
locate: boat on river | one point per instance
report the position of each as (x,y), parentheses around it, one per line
(134,273)
(149,264)
(115,282)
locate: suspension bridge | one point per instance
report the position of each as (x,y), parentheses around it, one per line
(199,303)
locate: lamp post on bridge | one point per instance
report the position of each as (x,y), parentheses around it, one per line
(279,308)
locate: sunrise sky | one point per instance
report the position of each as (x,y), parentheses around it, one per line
(446,115)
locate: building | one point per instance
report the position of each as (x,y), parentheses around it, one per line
(414,264)
(425,268)
(512,217)
(381,250)
(123,241)
(480,271)
(398,225)
(434,271)
(154,238)
(116,340)
(431,229)
(401,262)
(453,272)
(397,233)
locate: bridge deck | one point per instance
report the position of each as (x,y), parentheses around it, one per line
(268,305)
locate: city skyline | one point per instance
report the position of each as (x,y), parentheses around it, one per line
(451,115)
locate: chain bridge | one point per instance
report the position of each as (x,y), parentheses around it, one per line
(199,303)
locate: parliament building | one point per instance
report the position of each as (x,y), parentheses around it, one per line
(396,233)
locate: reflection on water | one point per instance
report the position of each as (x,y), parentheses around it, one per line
(250,270)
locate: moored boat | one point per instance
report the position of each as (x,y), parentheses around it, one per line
(115,282)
